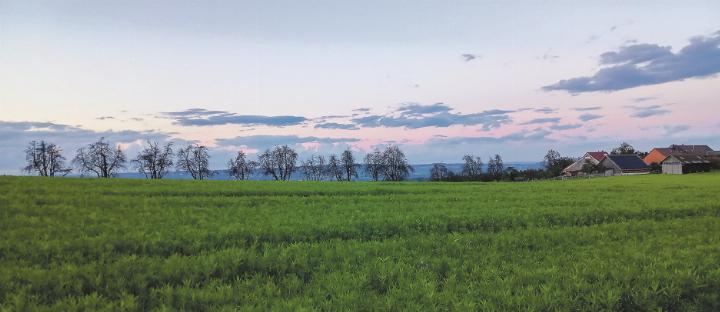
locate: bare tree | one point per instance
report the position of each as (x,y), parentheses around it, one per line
(195,160)
(154,161)
(495,168)
(100,158)
(279,162)
(395,165)
(313,169)
(348,163)
(334,168)
(439,172)
(45,159)
(472,168)
(374,164)
(240,168)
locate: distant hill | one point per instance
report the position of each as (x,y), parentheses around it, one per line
(422,171)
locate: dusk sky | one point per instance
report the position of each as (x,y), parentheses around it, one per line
(439,78)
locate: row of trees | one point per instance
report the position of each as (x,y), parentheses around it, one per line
(155,160)
(472,170)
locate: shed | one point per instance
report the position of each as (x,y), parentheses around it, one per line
(685,163)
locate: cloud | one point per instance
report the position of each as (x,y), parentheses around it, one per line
(541,121)
(585,109)
(536,135)
(643,99)
(415,116)
(546,110)
(361,110)
(647,111)
(105,117)
(415,109)
(548,57)
(335,125)
(565,127)
(266,141)
(588,117)
(202,117)
(469,57)
(648,64)
(670,130)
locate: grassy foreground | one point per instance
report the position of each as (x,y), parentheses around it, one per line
(623,243)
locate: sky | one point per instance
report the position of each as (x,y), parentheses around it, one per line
(440,79)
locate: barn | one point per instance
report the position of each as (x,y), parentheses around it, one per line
(624,165)
(685,163)
(592,158)
(659,154)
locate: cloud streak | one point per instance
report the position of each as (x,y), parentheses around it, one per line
(202,117)
(647,111)
(265,141)
(436,115)
(588,117)
(648,64)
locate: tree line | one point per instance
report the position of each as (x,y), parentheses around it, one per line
(155,161)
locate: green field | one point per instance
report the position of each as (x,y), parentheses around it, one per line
(621,243)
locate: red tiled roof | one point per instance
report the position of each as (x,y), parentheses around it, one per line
(598,155)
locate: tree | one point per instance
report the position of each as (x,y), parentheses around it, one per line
(100,158)
(45,159)
(511,174)
(154,161)
(313,169)
(194,159)
(348,163)
(472,169)
(240,168)
(623,149)
(279,162)
(374,165)
(555,164)
(495,168)
(439,172)
(395,165)
(590,168)
(334,168)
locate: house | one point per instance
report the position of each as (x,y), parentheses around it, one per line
(659,154)
(576,168)
(682,163)
(624,165)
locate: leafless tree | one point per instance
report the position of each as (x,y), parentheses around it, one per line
(100,158)
(45,159)
(279,162)
(194,159)
(395,165)
(240,168)
(334,168)
(438,172)
(472,168)
(348,163)
(495,168)
(313,168)
(374,164)
(154,161)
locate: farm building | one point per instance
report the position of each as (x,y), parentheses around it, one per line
(624,165)
(659,154)
(685,163)
(593,158)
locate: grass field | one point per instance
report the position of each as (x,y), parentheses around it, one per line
(621,243)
